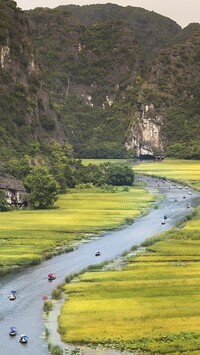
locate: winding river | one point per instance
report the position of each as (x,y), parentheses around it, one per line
(31,283)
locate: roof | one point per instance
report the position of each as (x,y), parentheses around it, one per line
(8,182)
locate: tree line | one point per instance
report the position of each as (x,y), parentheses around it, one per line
(53,170)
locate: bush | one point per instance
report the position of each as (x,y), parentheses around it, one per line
(3,202)
(119,175)
(48,306)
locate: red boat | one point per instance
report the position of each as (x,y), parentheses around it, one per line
(51,276)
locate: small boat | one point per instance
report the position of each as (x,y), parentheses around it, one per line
(163,221)
(51,276)
(23,339)
(13,331)
(12,297)
(97,253)
(45,298)
(165,216)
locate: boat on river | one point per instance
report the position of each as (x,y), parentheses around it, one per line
(12,297)
(97,253)
(23,339)
(13,331)
(51,276)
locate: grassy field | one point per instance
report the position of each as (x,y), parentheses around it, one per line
(101,161)
(153,304)
(186,171)
(26,237)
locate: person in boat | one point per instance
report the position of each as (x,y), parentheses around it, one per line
(13,331)
(23,338)
(98,253)
(12,297)
(51,276)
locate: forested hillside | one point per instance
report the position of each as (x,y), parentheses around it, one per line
(111,81)
(124,79)
(26,114)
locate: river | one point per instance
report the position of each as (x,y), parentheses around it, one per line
(31,283)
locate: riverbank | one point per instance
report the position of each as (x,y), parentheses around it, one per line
(29,237)
(186,172)
(32,283)
(150,306)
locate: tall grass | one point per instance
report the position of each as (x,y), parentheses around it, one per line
(153,304)
(186,171)
(27,237)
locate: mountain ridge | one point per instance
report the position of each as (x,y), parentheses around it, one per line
(112,81)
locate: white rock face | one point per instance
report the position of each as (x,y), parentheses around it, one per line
(145,134)
(5,54)
(109,100)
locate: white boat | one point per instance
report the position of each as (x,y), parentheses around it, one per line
(12,297)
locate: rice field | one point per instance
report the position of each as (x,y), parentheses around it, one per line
(153,305)
(26,237)
(186,171)
(102,161)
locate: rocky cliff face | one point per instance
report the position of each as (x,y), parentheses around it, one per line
(104,55)
(89,62)
(145,133)
(26,114)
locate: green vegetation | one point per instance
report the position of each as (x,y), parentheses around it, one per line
(83,72)
(119,175)
(42,187)
(3,202)
(48,306)
(152,305)
(86,162)
(27,237)
(186,171)
(55,349)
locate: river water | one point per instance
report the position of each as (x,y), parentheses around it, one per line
(31,283)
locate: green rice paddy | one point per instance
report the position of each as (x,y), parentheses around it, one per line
(27,237)
(186,171)
(153,305)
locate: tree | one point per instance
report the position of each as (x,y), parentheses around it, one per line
(42,188)
(119,175)
(3,202)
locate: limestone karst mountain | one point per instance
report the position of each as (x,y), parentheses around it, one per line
(110,80)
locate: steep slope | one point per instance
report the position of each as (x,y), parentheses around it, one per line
(151,30)
(87,69)
(26,114)
(87,61)
(170,98)
(120,78)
